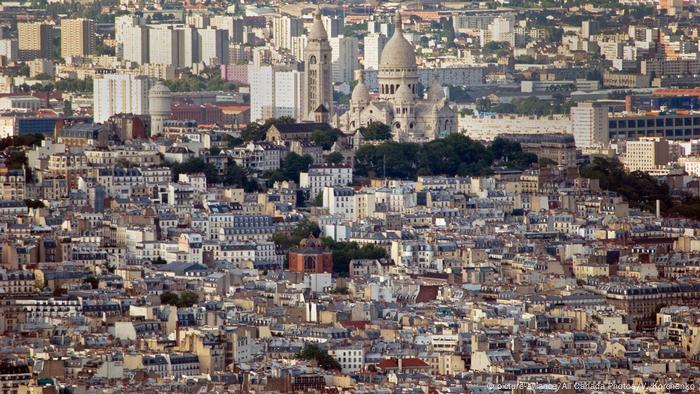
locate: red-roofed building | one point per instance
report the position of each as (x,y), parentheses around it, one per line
(355,324)
(403,364)
(202,114)
(427,294)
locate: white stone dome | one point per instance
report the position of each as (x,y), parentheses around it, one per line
(360,93)
(403,94)
(159,89)
(436,91)
(398,52)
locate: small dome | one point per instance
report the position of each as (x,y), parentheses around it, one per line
(403,94)
(436,91)
(360,93)
(318,31)
(160,89)
(398,52)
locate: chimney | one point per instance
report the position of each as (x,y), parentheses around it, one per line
(177,333)
(658,209)
(246,378)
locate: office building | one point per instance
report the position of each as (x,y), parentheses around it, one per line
(590,124)
(682,125)
(646,155)
(119,94)
(77,37)
(35,40)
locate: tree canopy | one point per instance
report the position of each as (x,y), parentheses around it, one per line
(234,175)
(638,188)
(257,132)
(453,155)
(321,356)
(343,252)
(185,299)
(325,137)
(376,131)
(303,229)
(291,166)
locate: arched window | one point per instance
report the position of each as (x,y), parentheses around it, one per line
(312,60)
(392,89)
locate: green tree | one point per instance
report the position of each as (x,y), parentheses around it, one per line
(94,282)
(159,261)
(303,229)
(322,358)
(318,201)
(257,132)
(169,298)
(194,166)
(67,108)
(325,137)
(376,131)
(291,166)
(31,203)
(188,299)
(344,252)
(335,158)
(638,188)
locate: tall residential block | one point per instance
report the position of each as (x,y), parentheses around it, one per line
(345,52)
(284,29)
(35,41)
(590,124)
(119,94)
(135,44)
(77,37)
(374,45)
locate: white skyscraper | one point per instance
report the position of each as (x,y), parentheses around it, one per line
(288,98)
(261,92)
(121,24)
(233,25)
(190,49)
(298,45)
(374,44)
(135,44)
(284,28)
(164,45)
(9,48)
(119,93)
(214,46)
(590,124)
(344,55)
(334,25)
(275,91)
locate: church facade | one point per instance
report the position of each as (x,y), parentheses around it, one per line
(411,118)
